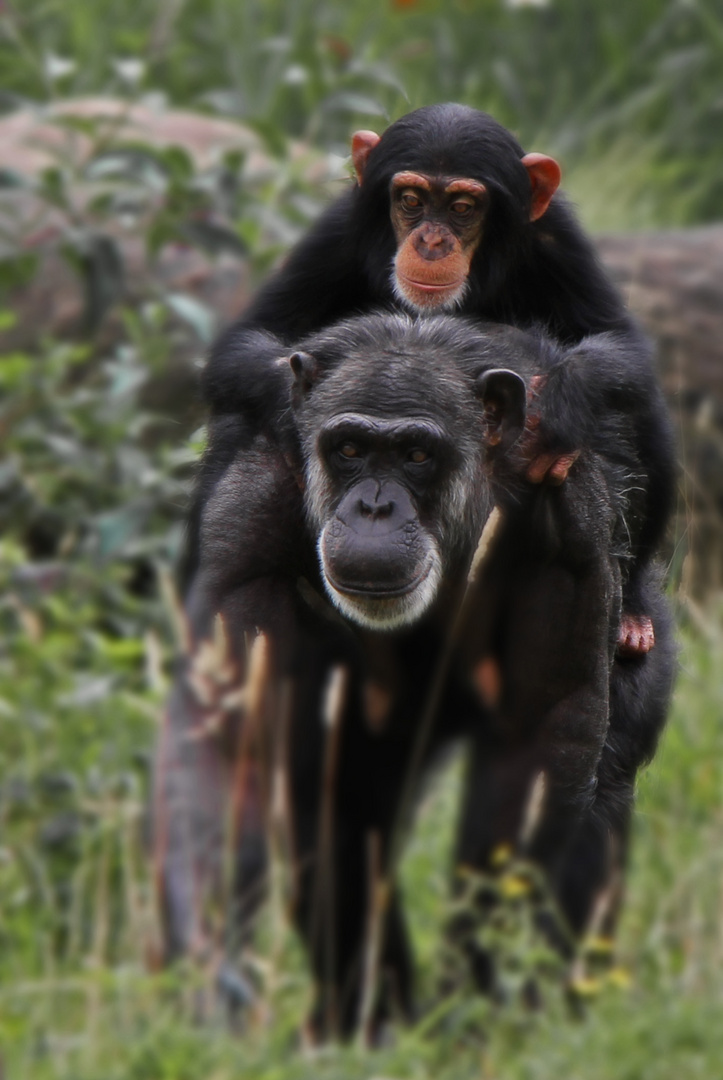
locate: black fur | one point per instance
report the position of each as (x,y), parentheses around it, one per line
(545,610)
(525,273)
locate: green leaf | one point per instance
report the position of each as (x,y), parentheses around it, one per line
(17,271)
(351,102)
(199,316)
(177,163)
(213,237)
(53,187)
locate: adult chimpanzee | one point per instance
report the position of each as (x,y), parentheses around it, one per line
(447,213)
(403,434)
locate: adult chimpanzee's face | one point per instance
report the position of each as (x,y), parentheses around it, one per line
(381,563)
(394,457)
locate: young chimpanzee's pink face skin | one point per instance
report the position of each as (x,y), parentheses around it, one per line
(438,223)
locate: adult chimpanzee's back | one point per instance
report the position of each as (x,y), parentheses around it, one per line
(402,436)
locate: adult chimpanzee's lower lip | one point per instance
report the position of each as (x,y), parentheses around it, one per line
(374,592)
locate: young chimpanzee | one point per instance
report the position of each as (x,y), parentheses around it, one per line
(403,434)
(447,214)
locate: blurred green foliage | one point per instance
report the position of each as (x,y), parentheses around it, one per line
(95,474)
(575,78)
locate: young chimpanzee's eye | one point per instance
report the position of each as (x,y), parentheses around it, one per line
(418,456)
(410,201)
(461,207)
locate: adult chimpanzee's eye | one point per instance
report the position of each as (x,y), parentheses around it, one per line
(410,201)
(418,456)
(349,450)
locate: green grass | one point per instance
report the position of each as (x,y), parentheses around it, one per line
(77,999)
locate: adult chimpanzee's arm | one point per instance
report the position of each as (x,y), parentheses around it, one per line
(532,782)
(250,524)
(249,415)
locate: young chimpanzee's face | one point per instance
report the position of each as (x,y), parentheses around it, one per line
(441,201)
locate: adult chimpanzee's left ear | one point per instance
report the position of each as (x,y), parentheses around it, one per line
(544,174)
(362,144)
(504,396)
(305,370)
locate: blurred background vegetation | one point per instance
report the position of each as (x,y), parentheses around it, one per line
(124,244)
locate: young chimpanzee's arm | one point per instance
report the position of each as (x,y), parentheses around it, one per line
(605,395)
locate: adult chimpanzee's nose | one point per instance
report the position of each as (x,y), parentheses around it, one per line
(374,544)
(376,509)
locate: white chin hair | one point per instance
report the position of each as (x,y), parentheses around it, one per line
(376,613)
(379,614)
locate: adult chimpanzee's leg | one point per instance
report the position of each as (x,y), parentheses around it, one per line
(351,921)
(534,766)
(347,782)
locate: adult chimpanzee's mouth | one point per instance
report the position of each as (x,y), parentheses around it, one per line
(382,609)
(375,591)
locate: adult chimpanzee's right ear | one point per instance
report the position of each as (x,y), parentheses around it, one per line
(504,396)
(362,144)
(304,368)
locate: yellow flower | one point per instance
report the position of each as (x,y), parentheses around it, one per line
(501,855)
(619,977)
(513,886)
(599,946)
(585,986)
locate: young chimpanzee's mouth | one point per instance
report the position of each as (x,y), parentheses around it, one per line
(431,287)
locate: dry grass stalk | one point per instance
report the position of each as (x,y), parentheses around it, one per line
(532,812)
(489,533)
(179,620)
(281,825)
(324,905)
(282,883)
(248,757)
(379,892)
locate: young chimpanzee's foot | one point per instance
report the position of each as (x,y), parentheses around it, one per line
(552,467)
(635,635)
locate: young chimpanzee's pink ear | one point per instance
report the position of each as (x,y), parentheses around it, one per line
(544,174)
(504,396)
(304,368)
(362,144)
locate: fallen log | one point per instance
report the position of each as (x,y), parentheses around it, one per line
(673,282)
